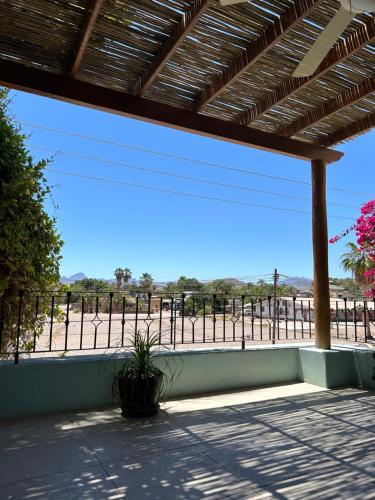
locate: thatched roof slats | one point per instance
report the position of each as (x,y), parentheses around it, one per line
(40,33)
(277,65)
(84,35)
(338,54)
(247,58)
(333,85)
(135,41)
(182,29)
(126,36)
(319,131)
(15,75)
(350,96)
(348,131)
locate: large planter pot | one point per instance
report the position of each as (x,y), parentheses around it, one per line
(139,395)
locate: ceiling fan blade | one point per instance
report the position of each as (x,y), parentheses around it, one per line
(231,2)
(324,43)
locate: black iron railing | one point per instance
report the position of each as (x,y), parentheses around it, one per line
(40,324)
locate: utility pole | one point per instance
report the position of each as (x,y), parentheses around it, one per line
(275,282)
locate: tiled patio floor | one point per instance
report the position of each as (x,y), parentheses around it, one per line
(293,442)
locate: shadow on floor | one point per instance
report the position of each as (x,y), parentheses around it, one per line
(318,445)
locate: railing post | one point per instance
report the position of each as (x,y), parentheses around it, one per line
(243,321)
(320,252)
(110,319)
(16,354)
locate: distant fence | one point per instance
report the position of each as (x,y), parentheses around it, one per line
(41,324)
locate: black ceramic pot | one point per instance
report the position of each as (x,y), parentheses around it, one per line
(139,395)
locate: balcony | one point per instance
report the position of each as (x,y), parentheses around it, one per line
(248,416)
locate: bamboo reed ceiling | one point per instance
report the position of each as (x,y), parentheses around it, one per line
(233,63)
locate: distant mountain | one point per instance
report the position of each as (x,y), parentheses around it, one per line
(299,282)
(68,280)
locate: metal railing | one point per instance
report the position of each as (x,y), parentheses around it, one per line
(41,324)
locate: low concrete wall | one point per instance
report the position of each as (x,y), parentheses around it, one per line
(331,369)
(339,367)
(364,362)
(37,387)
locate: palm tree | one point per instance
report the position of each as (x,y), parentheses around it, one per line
(127,274)
(119,275)
(357,262)
(146,282)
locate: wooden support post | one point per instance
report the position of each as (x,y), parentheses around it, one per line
(320,250)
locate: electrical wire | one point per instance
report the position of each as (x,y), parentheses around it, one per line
(179,176)
(189,195)
(184,158)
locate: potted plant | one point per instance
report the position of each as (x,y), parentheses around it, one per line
(138,384)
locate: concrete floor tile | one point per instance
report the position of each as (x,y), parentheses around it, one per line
(305,444)
(28,456)
(179,474)
(33,428)
(111,442)
(88,483)
(346,485)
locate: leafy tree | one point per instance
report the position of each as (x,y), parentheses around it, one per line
(146,281)
(91,285)
(170,287)
(360,260)
(188,284)
(29,243)
(127,274)
(221,287)
(119,275)
(357,262)
(352,288)
(122,276)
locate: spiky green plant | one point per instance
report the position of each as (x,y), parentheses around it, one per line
(143,350)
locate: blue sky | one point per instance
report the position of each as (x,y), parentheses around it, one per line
(106,225)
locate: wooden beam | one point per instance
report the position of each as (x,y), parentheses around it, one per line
(349,97)
(181,31)
(37,81)
(358,127)
(322,314)
(84,36)
(341,51)
(247,58)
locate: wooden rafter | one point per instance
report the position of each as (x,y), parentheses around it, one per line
(84,36)
(341,51)
(345,133)
(181,31)
(349,97)
(247,58)
(38,81)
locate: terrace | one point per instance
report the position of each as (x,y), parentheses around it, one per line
(292,441)
(226,73)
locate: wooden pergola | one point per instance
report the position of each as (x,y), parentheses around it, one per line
(194,65)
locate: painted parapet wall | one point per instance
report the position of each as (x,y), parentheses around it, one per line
(364,362)
(331,369)
(338,367)
(36,387)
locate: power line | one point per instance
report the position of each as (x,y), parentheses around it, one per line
(190,195)
(184,158)
(179,176)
